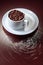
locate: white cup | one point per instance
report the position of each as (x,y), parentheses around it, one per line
(17,25)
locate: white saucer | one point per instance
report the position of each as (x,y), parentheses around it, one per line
(31,16)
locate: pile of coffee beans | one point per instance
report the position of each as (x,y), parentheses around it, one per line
(16,15)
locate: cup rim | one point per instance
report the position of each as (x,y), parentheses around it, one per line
(13,20)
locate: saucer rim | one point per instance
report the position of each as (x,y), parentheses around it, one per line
(26,32)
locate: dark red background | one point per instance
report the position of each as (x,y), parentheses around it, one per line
(8,56)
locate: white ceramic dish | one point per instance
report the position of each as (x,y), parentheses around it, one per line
(29,15)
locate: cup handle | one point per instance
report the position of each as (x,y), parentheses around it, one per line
(26,23)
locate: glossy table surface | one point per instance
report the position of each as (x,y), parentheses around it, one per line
(21,50)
